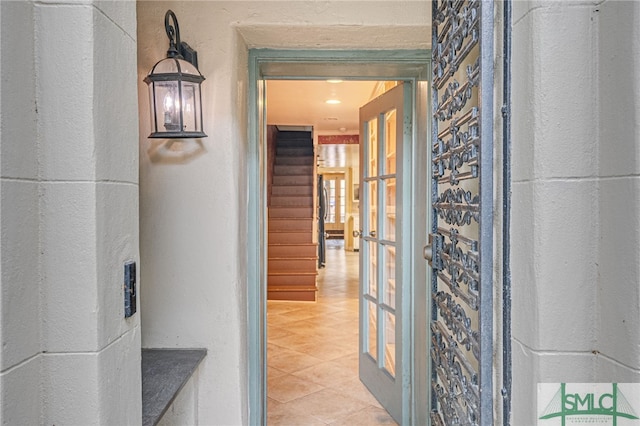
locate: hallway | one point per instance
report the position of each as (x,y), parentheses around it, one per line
(313,353)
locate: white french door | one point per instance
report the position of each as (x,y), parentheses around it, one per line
(385,137)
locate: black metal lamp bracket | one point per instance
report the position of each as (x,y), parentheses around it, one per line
(178,49)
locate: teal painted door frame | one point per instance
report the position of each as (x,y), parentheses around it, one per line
(405,65)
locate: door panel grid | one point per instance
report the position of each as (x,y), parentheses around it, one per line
(385,128)
(379,229)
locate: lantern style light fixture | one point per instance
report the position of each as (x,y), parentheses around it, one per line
(174,89)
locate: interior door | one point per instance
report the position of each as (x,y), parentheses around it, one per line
(385,132)
(334,184)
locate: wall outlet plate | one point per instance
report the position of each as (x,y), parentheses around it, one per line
(129,289)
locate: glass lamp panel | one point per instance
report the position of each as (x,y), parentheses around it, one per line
(190,107)
(175,66)
(187,68)
(197,102)
(166,66)
(153,109)
(167,106)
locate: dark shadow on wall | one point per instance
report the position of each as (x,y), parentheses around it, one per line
(175,151)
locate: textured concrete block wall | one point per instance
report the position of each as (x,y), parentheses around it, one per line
(20,318)
(575,197)
(618,291)
(69,213)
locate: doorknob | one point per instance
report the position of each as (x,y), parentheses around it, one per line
(434,247)
(357,234)
(428,253)
(372,234)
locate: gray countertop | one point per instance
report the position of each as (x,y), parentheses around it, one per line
(164,373)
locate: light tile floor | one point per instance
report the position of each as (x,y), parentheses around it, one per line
(312,353)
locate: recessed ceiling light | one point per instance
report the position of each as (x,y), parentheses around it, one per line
(334,81)
(333,101)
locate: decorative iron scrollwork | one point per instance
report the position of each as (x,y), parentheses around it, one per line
(457,321)
(460,346)
(455,97)
(462,267)
(457,206)
(457,389)
(460,152)
(460,33)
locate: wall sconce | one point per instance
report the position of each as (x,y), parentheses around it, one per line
(174,89)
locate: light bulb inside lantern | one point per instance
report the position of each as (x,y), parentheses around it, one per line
(171,111)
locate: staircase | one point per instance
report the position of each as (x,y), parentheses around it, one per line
(292,252)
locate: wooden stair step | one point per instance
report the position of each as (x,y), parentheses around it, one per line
(291,211)
(290,224)
(292,190)
(282,250)
(290,237)
(294,201)
(307,160)
(292,279)
(293,180)
(298,294)
(284,135)
(295,151)
(294,143)
(288,170)
(292,264)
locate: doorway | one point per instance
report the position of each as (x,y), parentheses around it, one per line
(336,199)
(312,348)
(410,66)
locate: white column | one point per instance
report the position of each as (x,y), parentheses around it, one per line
(89,207)
(69,213)
(554,234)
(618,292)
(576,195)
(20,319)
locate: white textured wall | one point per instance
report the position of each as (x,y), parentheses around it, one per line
(20,319)
(575,228)
(193,208)
(618,292)
(69,220)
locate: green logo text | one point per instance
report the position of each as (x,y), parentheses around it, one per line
(565,404)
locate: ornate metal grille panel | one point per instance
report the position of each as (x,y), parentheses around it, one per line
(462,194)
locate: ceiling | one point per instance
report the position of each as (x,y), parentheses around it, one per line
(303,103)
